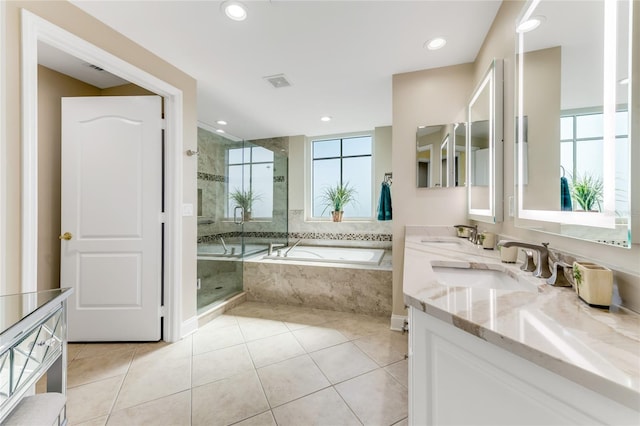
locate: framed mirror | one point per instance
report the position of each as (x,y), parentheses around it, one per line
(484,148)
(573,127)
(440,156)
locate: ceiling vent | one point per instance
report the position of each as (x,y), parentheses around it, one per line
(278,81)
(95,67)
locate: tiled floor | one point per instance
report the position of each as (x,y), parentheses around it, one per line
(258,364)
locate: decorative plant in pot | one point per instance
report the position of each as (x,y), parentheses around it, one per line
(588,191)
(336,197)
(244,199)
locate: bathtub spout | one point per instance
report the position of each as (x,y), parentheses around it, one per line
(292,247)
(224,246)
(272,246)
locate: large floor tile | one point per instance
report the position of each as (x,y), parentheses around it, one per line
(399,370)
(228,401)
(264,419)
(403,422)
(323,408)
(73,349)
(220,364)
(153,380)
(167,352)
(357,326)
(261,328)
(210,338)
(385,348)
(274,349)
(316,338)
(172,410)
(291,379)
(343,362)
(92,400)
(376,398)
(98,421)
(101,349)
(302,317)
(81,371)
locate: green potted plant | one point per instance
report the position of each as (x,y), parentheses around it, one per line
(244,199)
(336,197)
(588,191)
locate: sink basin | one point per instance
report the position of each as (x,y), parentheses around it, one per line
(442,242)
(479,275)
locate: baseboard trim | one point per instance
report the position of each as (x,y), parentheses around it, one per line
(188,327)
(397,322)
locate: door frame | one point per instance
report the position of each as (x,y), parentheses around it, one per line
(35,29)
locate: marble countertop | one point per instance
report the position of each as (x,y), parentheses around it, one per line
(549,326)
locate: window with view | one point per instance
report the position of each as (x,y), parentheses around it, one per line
(343,161)
(581,137)
(250,171)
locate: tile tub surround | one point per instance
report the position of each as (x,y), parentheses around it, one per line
(333,286)
(551,327)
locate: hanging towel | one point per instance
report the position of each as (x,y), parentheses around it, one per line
(565,195)
(384,206)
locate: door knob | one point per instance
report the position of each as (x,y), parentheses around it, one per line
(66,236)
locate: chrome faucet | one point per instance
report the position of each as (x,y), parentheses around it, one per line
(542,268)
(224,246)
(473,237)
(291,248)
(272,246)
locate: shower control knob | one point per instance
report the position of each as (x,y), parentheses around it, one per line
(66,236)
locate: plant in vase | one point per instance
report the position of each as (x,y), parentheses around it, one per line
(244,199)
(336,197)
(588,191)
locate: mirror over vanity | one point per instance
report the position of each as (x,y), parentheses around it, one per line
(573,123)
(440,156)
(485,147)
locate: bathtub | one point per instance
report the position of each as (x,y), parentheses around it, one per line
(339,279)
(215,250)
(354,256)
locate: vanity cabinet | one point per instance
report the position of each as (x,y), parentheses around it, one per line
(32,343)
(458,378)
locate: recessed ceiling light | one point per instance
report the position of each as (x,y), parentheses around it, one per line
(325,118)
(530,24)
(220,131)
(234,10)
(435,43)
(221,122)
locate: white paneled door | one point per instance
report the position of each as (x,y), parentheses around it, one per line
(111,230)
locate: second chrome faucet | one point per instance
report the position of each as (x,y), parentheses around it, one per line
(542,267)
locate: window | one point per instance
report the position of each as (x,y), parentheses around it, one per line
(251,169)
(581,137)
(341,161)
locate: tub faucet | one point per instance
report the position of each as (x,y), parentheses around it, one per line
(542,268)
(224,246)
(272,246)
(473,235)
(292,247)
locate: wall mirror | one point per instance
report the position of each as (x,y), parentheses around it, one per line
(440,156)
(573,121)
(484,148)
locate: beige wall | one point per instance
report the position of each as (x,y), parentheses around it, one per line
(442,91)
(430,96)
(72,19)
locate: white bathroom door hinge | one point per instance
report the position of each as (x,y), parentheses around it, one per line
(162,311)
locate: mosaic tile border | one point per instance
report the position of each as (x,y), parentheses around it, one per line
(211,178)
(299,236)
(278,179)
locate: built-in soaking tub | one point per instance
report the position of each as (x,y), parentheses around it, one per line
(341,279)
(208,250)
(355,256)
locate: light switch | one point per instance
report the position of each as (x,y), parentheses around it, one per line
(187,210)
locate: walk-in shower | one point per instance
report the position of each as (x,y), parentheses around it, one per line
(242,207)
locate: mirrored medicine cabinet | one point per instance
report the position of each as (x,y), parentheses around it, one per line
(573,123)
(440,156)
(484,146)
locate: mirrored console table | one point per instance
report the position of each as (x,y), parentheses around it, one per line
(33,342)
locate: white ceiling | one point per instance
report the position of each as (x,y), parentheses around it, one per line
(339,56)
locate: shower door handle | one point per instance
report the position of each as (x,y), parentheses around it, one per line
(238,220)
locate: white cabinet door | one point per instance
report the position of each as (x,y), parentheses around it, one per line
(459,379)
(111,210)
